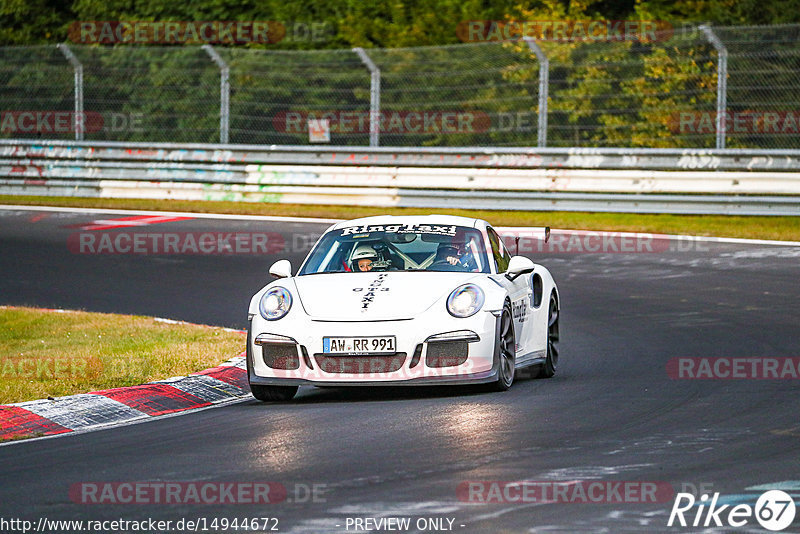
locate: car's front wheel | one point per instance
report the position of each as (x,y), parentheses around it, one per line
(506,351)
(273,393)
(266,393)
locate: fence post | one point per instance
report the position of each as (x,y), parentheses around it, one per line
(722,82)
(544,85)
(224,93)
(374,96)
(79,122)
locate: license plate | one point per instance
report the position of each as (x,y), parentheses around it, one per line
(359,345)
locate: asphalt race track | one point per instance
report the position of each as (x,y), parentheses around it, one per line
(611,413)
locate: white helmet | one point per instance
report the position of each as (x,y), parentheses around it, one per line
(362,252)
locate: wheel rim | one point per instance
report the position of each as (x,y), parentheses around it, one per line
(506,350)
(552,333)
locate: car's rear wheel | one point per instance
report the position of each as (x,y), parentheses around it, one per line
(273,393)
(506,351)
(548,369)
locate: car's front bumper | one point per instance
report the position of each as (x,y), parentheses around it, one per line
(299,342)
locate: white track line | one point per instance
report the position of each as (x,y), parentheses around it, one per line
(234,217)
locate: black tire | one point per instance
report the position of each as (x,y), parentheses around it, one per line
(273,393)
(505,350)
(266,393)
(548,368)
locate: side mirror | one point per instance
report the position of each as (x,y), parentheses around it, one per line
(518,265)
(281,269)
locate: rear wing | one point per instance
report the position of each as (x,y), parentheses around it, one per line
(532,237)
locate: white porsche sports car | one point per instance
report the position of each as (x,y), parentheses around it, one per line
(415,300)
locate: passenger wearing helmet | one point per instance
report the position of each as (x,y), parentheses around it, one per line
(363,258)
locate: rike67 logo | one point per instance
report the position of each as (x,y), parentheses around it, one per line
(774,510)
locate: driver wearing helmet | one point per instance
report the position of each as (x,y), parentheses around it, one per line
(455,253)
(448,252)
(363,258)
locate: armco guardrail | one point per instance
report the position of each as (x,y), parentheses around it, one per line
(625,180)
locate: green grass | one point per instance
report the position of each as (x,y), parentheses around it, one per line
(780,228)
(50,354)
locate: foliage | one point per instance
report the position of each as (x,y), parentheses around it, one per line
(372,23)
(623,93)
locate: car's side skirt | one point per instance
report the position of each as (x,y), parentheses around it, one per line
(532,358)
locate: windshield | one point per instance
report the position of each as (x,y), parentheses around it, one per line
(398,247)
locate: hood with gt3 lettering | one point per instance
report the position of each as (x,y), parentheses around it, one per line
(375,296)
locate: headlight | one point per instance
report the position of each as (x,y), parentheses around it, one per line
(275,303)
(465,300)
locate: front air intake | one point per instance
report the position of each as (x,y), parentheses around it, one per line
(361,365)
(280,356)
(446,353)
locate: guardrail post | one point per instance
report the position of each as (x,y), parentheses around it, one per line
(544,84)
(79,122)
(224,92)
(722,82)
(374,97)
